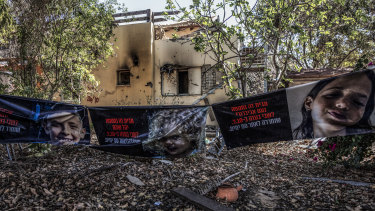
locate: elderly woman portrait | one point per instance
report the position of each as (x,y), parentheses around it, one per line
(176,132)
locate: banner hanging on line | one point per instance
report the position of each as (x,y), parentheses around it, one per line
(150,131)
(337,106)
(27,120)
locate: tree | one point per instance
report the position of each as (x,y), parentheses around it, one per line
(292,34)
(6,21)
(326,34)
(217,39)
(58,43)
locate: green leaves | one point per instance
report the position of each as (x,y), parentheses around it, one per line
(6,22)
(296,35)
(65,40)
(349,150)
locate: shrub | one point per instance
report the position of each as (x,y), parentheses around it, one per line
(347,150)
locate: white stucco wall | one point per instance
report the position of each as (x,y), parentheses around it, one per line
(181,52)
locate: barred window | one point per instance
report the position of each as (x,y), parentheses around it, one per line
(208,78)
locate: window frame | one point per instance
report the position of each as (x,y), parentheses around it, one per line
(176,82)
(118,73)
(185,71)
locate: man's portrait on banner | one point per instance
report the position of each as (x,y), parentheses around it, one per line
(336,106)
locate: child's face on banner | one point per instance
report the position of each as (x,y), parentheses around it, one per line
(340,103)
(66,129)
(176,144)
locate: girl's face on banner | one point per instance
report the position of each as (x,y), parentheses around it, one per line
(340,103)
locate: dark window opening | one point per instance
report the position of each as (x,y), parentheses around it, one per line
(123,77)
(183,82)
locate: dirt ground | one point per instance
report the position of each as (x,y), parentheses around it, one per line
(273,176)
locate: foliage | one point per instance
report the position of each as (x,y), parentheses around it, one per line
(38,149)
(6,22)
(348,150)
(336,39)
(58,44)
(293,35)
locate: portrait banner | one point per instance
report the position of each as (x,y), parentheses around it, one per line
(28,120)
(150,131)
(337,106)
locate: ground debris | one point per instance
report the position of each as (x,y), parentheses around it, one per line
(364,184)
(135,180)
(79,178)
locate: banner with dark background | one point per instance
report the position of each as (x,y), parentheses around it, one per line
(27,120)
(262,118)
(150,131)
(337,106)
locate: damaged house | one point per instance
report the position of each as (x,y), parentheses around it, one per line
(153,67)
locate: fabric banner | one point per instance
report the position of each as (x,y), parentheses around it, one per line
(150,131)
(337,106)
(27,120)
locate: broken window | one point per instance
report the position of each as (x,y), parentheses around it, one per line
(180,80)
(123,77)
(183,82)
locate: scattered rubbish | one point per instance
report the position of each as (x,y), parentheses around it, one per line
(211,158)
(135,180)
(199,200)
(156,161)
(166,162)
(215,183)
(233,175)
(228,192)
(205,188)
(216,145)
(157,203)
(364,184)
(267,198)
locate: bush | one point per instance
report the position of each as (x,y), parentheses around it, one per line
(350,151)
(38,149)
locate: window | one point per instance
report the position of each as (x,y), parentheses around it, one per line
(211,77)
(247,59)
(183,82)
(208,78)
(123,77)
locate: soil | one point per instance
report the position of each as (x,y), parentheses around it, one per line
(273,176)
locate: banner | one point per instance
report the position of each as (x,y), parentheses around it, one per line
(337,106)
(27,120)
(150,131)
